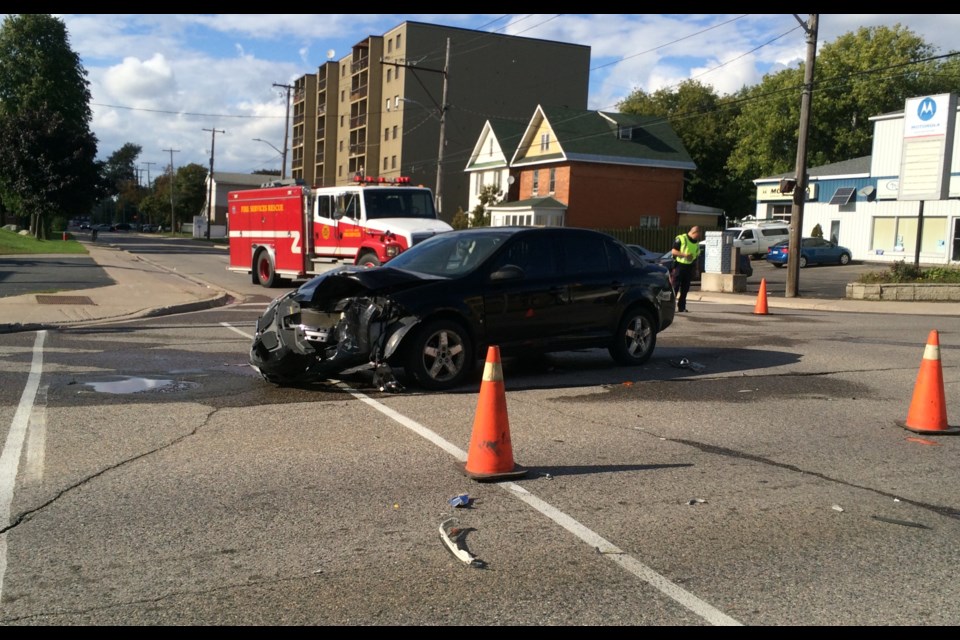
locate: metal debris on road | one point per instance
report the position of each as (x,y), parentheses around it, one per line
(453,537)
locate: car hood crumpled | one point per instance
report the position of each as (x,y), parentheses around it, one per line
(352,280)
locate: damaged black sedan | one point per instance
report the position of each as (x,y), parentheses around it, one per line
(434,309)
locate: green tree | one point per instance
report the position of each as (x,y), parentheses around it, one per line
(705,124)
(50,152)
(489,195)
(190,192)
(859,75)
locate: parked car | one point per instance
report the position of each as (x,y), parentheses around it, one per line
(812,251)
(148,228)
(435,309)
(646,254)
(102,227)
(756,238)
(123,226)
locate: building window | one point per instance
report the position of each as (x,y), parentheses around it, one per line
(384,163)
(341,120)
(393,162)
(387,104)
(553,180)
(545,142)
(341,145)
(394,132)
(649,222)
(398,41)
(781,212)
(343,95)
(535,190)
(491,147)
(389,46)
(389,74)
(396,101)
(386,134)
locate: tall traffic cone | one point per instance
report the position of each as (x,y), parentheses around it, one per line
(760,308)
(928,409)
(491,453)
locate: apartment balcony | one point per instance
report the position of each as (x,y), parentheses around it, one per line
(358,121)
(296,163)
(299,95)
(358,149)
(360,64)
(321,109)
(358,92)
(298,118)
(321,84)
(297,141)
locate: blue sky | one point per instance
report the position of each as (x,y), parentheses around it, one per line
(159,80)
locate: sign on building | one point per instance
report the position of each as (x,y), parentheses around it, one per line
(927,147)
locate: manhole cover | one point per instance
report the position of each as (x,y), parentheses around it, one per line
(64,300)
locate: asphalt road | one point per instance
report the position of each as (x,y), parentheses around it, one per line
(160,481)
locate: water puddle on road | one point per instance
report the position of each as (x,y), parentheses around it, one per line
(136,385)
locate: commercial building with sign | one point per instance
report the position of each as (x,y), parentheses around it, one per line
(900,203)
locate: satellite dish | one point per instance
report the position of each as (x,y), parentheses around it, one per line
(330,54)
(869,192)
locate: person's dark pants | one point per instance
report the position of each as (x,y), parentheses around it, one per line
(682,285)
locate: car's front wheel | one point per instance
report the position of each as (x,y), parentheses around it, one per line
(803,261)
(441,355)
(844,258)
(635,339)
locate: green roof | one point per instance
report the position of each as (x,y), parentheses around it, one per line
(614,138)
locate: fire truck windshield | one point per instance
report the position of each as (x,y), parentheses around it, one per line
(398,203)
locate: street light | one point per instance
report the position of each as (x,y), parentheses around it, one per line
(283,170)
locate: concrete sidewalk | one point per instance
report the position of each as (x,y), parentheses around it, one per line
(142,289)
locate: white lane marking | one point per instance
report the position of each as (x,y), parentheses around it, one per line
(13,447)
(608,549)
(36,440)
(232,328)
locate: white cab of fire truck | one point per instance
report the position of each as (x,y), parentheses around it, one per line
(371,222)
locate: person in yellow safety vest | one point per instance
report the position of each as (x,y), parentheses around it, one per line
(686,250)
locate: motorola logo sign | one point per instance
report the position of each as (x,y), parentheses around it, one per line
(926,109)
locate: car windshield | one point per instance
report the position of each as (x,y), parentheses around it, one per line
(382,202)
(448,254)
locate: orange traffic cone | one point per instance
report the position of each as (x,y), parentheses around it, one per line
(928,409)
(491,453)
(761,307)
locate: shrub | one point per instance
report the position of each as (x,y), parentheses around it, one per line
(817,231)
(901,272)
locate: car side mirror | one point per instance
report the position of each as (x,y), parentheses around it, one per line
(337,214)
(507,272)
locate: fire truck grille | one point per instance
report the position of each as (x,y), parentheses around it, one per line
(420,237)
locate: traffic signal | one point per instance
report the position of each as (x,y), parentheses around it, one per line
(787,185)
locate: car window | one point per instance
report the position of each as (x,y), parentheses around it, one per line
(747,234)
(534,254)
(585,254)
(774,232)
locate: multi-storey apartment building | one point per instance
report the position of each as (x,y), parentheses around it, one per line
(379,111)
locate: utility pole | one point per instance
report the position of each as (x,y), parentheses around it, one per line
(800,189)
(441,108)
(443,122)
(286,128)
(173,215)
(148,172)
(212,199)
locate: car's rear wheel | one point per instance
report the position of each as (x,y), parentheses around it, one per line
(778,265)
(441,355)
(803,261)
(844,258)
(635,339)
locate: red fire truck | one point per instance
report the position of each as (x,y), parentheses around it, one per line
(288,231)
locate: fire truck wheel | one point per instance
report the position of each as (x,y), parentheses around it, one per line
(369,259)
(266,274)
(441,355)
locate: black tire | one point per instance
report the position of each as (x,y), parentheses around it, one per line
(844,258)
(368,259)
(441,355)
(635,339)
(803,262)
(778,265)
(264,270)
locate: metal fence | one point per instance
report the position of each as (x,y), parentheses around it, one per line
(660,239)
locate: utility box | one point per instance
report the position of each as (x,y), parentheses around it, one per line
(721,257)
(717,257)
